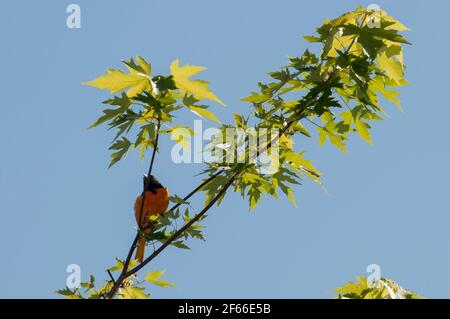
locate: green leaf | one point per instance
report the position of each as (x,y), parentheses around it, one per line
(145,138)
(195,232)
(89,285)
(69,294)
(386,34)
(198,88)
(141,66)
(178,200)
(122,146)
(180,244)
(109,114)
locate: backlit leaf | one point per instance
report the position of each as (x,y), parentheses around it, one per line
(116,80)
(198,88)
(133,293)
(154,278)
(203,112)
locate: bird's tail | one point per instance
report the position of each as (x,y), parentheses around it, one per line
(140,249)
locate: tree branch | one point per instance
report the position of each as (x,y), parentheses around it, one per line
(125,273)
(186,226)
(126,264)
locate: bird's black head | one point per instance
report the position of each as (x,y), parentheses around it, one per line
(151,183)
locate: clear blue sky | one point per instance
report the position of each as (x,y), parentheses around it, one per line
(388,203)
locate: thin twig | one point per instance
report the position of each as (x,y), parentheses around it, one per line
(155,149)
(111,276)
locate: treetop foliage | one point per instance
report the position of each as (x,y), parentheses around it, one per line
(329,95)
(380,289)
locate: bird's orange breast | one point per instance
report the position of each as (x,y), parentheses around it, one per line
(154,204)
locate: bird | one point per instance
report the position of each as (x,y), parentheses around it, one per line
(156,201)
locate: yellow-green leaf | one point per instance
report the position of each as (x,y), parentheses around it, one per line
(362,130)
(297,162)
(396,25)
(290,196)
(133,293)
(119,265)
(202,112)
(251,178)
(286,141)
(116,81)
(144,65)
(198,88)
(352,287)
(153,277)
(182,135)
(378,85)
(393,68)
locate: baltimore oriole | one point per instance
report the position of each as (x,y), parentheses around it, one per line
(155,203)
